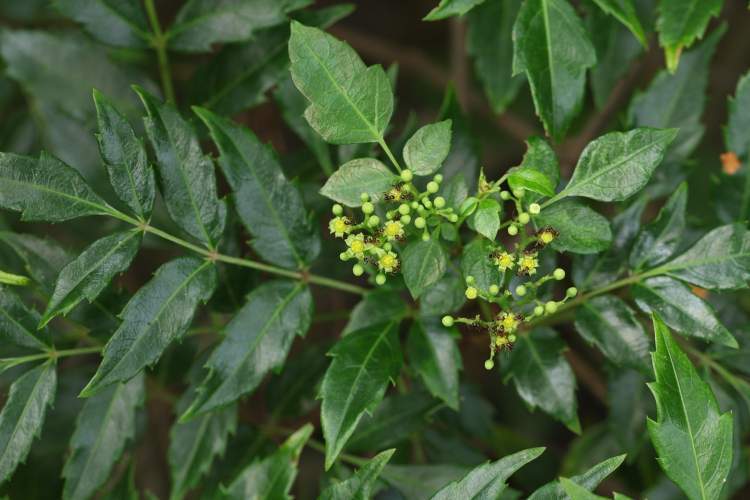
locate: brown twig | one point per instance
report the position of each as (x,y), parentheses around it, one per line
(587,375)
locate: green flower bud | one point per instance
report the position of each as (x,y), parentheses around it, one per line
(438,178)
(427,203)
(432,187)
(420,223)
(571,292)
(494,289)
(512,230)
(512,338)
(380,279)
(406,175)
(470,280)
(489,364)
(520,290)
(448,321)
(414,205)
(344,256)
(453,218)
(538,310)
(519,192)
(358,270)
(405,219)
(425,236)
(387,246)
(373,221)
(559,274)
(390,214)
(337,209)
(364,197)
(404,209)
(367,208)
(471,293)
(550,307)
(534,208)
(524,218)
(439,202)
(504,195)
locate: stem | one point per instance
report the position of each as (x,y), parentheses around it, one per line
(159,43)
(389,154)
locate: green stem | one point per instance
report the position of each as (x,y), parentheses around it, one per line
(389,154)
(52,354)
(159,43)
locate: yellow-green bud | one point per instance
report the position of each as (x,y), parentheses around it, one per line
(404,209)
(358,270)
(344,256)
(425,236)
(520,290)
(337,209)
(367,208)
(470,280)
(512,230)
(373,221)
(439,202)
(550,307)
(453,218)
(519,192)
(471,293)
(380,279)
(571,292)
(512,338)
(390,214)
(448,321)
(504,195)
(438,178)
(364,197)
(387,246)
(405,219)
(538,310)
(406,175)
(524,218)
(432,187)
(559,274)
(427,203)
(494,289)
(420,223)
(535,208)
(414,205)
(489,364)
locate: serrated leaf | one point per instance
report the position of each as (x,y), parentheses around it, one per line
(46,189)
(201,23)
(476,262)
(444,296)
(423,264)
(488,480)
(125,158)
(489,40)
(486,218)
(625,12)
(363,175)
(18,323)
(434,355)
(720,260)
(629,403)
(551,46)
(735,133)
(157,314)
(582,230)
(420,482)
(188,182)
(269,205)
(121,23)
(681,309)
(426,150)
(106,422)
(363,363)
(450,8)
(257,340)
(273,476)
(617,165)
(42,258)
(682,22)
(542,376)
(587,480)
(349,102)
(22,416)
(88,274)
(609,323)
(361,484)
(692,440)
(658,241)
(577,492)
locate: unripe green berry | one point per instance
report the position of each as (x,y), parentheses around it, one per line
(538,310)
(364,197)
(504,195)
(494,289)
(344,256)
(534,208)
(550,307)
(512,230)
(471,293)
(390,214)
(559,274)
(380,279)
(520,290)
(519,192)
(489,364)
(571,292)
(453,218)
(438,178)
(358,270)
(373,221)
(427,203)
(512,338)
(448,321)
(420,223)
(406,175)
(414,205)
(524,218)
(421,211)
(470,280)
(367,208)
(404,209)
(387,246)
(432,187)
(425,236)
(337,209)
(405,219)
(439,202)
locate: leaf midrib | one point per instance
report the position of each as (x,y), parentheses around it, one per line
(13,320)
(103,208)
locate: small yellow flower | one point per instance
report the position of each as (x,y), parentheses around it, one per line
(339,226)
(357,245)
(509,322)
(546,236)
(388,262)
(528,264)
(393,229)
(504,261)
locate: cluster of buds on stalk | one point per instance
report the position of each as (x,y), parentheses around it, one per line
(405,213)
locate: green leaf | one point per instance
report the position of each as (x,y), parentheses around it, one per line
(625,12)
(426,150)
(541,158)
(377,306)
(542,376)
(681,309)
(257,340)
(363,362)
(588,480)
(423,264)
(532,180)
(124,155)
(88,274)
(488,480)
(476,262)
(18,323)
(489,41)
(158,313)
(188,183)
(486,218)
(551,46)
(363,175)
(42,258)
(736,138)
(420,482)
(349,103)
(609,323)
(361,484)
(581,229)
(393,421)
(692,440)
(23,415)
(434,355)
(682,22)
(268,204)
(659,240)
(201,23)
(461,167)
(46,189)
(577,492)
(194,445)
(273,476)
(106,422)
(718,261)
(117,22)
(617,165)
(629,403)
(450,8)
